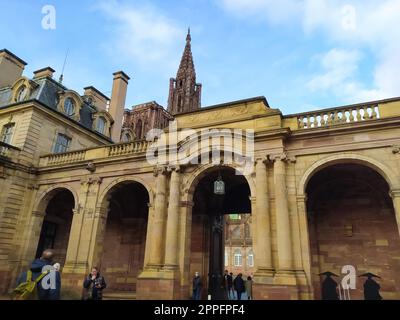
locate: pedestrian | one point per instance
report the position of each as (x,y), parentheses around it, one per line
(57,266)
(238,284)
(231,293)
(41,281)
(94,285)
(197,286)
(225,283)
(249,288)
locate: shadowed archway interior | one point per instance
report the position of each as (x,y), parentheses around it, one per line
(207,245)
(57,225)
(352,222)
(125,236)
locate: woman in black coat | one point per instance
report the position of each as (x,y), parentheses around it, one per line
(94,284)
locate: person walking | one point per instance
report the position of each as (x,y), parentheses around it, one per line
(197,286)
(94,285)
(231,293)
(41,282)
(249,288)
(238,284)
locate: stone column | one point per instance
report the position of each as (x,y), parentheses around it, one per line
(395,195)
(263,226)
(171,239)
(283,231)
(157,231)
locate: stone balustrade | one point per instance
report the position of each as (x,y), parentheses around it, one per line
(336,116)
(94,153)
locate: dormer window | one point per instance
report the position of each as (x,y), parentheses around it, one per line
(22,93)
(101,125)
(69,107)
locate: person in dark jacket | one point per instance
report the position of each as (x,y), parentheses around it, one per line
(231,293)
(49,287)
(197,286)
(94,284)
(238,284)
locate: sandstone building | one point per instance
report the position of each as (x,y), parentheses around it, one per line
(324,191)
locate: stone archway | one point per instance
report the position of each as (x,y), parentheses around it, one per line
(207,245)
(54,213)
(124,237)
(351,221)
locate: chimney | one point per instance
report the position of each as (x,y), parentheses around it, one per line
(117,104)
(100,100)
(43,73)
(11,68)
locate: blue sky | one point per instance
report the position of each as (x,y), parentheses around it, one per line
(300,54)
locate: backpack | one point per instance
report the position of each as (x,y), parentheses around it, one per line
(27,289)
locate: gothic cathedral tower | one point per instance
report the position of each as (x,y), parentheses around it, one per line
(184,92)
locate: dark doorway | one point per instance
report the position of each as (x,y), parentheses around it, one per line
(208,241)
(57,225)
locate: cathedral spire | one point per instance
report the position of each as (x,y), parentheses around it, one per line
(184,92)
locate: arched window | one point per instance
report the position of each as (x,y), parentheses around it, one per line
(250,259)
(237,258)
(69,107)
(138,129)
(179,103)
(22,93)
(101,125)
(126,137)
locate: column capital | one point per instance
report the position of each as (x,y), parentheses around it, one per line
(394,193)
(281,157)
(91,180)
(175,168)
(262,159)
(159,170)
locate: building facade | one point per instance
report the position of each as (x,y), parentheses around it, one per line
(322,192)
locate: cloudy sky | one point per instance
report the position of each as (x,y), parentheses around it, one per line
(300,54)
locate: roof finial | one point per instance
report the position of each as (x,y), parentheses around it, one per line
(188,37)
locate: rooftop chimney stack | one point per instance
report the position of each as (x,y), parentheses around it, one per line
(44,73)
(117,104)
(11,68)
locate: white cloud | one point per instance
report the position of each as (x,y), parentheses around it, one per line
(354,26)
(273,11)
(338,66)
(142,33)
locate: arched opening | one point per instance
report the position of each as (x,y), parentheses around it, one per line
(218,228)
(125,236)
(138,129)
(56,225)
(351,221)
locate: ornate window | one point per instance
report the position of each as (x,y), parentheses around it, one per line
(250,259)
(237,258)
(22,93)
(62,143)
(69,107)
(69,103)
(101,125)
(7,133)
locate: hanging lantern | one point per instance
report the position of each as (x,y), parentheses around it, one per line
(219,186)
